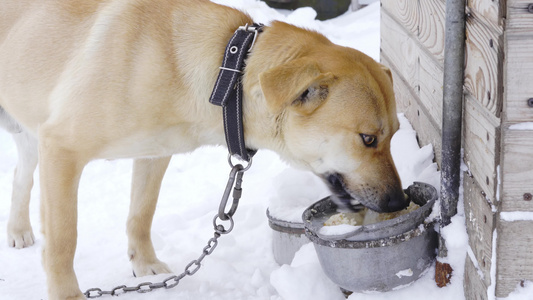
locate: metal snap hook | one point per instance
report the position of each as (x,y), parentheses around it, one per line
(234,183)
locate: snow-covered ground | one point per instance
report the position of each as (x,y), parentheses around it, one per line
(242,267)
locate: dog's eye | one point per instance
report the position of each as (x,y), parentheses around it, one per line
(302,99)
(369,140)
(304,95)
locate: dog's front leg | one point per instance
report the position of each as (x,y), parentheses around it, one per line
(146,183)
(19,231)
(60,171)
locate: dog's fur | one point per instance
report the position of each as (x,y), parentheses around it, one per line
(132,78)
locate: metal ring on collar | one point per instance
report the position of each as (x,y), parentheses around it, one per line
(244,168)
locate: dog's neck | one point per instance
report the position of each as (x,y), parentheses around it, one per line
(263,128)
(278,44)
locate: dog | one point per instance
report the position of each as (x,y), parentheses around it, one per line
(115,79)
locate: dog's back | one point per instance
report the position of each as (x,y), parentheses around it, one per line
(33,51)
(52,50)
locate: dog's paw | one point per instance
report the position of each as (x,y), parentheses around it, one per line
(149,268)
(144,260)
(20,236)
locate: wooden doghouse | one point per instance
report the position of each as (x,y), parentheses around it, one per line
(497,138)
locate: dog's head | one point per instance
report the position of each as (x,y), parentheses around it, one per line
(337,115)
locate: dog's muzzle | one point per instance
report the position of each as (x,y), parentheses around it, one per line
(340,195)
(390,201)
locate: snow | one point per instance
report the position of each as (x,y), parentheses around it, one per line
(521,292)
(338,229)
(491,289)
(405,273)
(359,29)
(474,261)
(412,162)
(311,282)
(512,216)
(455,236)
(242,267)
(522,126)
(295,191)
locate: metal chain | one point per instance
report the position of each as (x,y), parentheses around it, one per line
(234,182)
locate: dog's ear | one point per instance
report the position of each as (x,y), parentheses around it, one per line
(298,84)
(387,70)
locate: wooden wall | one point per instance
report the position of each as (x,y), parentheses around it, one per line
(498,82)
(515,235)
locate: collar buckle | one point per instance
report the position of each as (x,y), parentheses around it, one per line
(255,28)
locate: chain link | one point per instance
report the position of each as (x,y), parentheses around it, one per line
(195,264)
(173,280)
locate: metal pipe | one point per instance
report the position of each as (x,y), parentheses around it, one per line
(452,113)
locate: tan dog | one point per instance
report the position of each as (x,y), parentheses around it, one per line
(117,78)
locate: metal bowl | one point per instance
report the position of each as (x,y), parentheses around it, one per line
(287,238)
(381,256)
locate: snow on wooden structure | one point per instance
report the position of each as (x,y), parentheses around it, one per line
(497,138)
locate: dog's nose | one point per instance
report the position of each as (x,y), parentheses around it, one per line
(397,202)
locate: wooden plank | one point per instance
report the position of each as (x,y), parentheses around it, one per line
(473,286)
(430,86)
(517,169)
(481,138)
(484,63)
(405,12)
(491,12)
(423,19)
(432,21)
(428,132)
(480,224)
(400,48)
(515,258)
(431,37)
(519,19)
(518,78)
(404,97)
(415,65)
(425,22)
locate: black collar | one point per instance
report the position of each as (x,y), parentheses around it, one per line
(228,88)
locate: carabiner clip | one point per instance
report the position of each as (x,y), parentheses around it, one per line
(234,182)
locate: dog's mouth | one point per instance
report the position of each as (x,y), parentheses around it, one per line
(355,201)
(340,194)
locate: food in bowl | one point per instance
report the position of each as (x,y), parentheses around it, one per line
(345,218)
(372,217)
(366,216)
